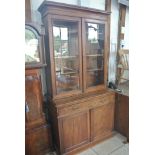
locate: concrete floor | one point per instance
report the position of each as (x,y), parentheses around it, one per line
(112,146)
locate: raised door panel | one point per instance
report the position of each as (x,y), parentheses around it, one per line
(33,97)
(74,131)
(102,120)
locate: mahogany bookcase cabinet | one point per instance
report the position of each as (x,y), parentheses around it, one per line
(77,46)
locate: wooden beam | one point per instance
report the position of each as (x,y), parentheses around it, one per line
(27,11)
(108,5)
(122,14)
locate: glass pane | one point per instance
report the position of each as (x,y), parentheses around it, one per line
(31,47)
(94,53)
(66,53)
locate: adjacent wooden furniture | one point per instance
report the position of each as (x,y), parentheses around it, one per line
(37,131)
(77,45)
(34,46)
(38,134)
(122,114)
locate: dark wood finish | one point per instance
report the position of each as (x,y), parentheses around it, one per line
(34,100)
(122,114)
(38,140)
(27,11)
(122,13)
(58,6)
(108,5)
(84,117)
(38,136)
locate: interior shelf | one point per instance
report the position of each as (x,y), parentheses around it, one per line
(93,55)
(65,57)
(92,70)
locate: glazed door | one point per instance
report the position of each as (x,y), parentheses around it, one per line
(74,130)
(66,55)
(102,121)
(94,54)
(33,99)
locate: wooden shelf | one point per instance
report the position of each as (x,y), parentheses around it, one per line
(68,73)
(94,55)
(92,70)
(65,57)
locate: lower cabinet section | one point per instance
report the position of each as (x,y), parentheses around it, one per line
(38,140)
(74,130)
(82,123)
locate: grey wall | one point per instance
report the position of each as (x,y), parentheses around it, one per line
(113,38)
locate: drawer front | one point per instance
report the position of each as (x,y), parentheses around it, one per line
(85,105)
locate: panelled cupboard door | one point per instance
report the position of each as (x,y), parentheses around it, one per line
(74,130)
(102,120)
(33,98)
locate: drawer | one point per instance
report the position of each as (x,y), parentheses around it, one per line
(85,105)
(72,109)
(104,100)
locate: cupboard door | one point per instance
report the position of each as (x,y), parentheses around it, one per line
(33,97)
(94,53)
(67,54)
(102,120)
(74,131)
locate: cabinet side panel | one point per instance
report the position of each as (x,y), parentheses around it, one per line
(122,114)
(33,97)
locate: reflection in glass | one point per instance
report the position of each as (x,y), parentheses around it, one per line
(31,47)
(94,54)
(66,53)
